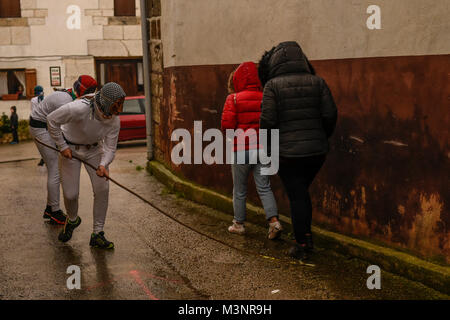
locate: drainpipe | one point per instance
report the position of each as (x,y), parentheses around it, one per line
(147,84)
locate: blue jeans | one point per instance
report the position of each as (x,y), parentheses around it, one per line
(240,174)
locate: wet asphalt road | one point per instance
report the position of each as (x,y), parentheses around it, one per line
(155,257)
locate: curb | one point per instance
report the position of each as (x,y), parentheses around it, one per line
(18,160)
(388,259)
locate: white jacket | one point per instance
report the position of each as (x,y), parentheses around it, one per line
(39,111)
(79,124)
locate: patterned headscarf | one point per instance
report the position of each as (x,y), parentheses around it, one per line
(107,96)
(84,85)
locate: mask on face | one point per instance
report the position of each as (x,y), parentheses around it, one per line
(108,102)
(114,110)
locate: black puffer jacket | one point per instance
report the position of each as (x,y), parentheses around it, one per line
(296,102)
(14,121)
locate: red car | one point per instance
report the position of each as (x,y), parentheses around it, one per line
(132,119)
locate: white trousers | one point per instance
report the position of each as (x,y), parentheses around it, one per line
(70,174)
(51,161)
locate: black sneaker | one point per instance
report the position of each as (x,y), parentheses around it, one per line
(47,213)
(98,240)
(309,242)
(58,217)
(298,251)
(66,233)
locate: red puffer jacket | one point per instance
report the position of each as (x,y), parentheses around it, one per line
(243,108)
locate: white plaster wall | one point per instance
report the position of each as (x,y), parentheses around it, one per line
(42,66)
(199,32)
(54,44)
(54,38)
(74,67)
(23,108)
(70,70)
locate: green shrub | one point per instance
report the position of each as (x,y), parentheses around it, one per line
(23,130)
(5,124)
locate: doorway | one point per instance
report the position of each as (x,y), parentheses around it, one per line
(128,73)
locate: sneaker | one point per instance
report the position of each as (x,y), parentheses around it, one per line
(69,226)
(58,217)
(309,242)
(98,240)
(47,213)
(237,228)
(275,230)
(298,251)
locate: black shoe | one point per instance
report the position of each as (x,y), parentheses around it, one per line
(98,240)
(66,233)
(47,213)
(58,217)
(41,163)
(298,251)
(309,242)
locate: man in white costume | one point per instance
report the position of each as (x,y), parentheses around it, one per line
(41,108)
(34,102)
(88,128)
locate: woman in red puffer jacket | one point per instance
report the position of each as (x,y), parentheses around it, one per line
(242,111)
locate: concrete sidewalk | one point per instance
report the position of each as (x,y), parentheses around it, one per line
(22,151)
(388,259)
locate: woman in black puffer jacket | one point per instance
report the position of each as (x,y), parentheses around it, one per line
(300,105)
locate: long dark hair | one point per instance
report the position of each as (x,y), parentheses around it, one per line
(263,66)
(14,109)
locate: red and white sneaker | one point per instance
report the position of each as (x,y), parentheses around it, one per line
(275,230)
(237,228)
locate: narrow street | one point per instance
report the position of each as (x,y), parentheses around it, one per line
(155,257)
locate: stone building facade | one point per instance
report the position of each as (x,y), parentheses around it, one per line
(77,37)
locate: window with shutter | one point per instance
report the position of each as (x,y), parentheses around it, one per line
(10,9)
(30,82)
(124,8)
(17,84)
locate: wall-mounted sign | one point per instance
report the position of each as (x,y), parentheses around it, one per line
(55,76)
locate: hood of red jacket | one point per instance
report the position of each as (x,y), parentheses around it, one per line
(246,78)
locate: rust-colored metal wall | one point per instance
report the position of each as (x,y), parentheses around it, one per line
(387,175)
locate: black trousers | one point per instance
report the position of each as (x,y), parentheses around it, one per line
(297,174)
(15,135)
